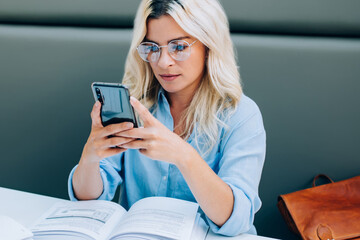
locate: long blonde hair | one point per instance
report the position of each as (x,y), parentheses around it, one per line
(220,89)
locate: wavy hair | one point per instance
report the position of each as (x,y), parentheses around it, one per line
(220,89)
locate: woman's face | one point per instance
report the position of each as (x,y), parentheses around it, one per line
(176,77)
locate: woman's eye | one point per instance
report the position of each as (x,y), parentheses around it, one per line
(154,49)
(180,48)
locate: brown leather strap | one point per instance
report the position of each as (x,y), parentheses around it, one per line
(321,175)
(324,232)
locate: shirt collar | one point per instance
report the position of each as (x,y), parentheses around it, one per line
(162,96)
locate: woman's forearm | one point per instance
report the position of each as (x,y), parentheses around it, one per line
(214,196)
(87,182)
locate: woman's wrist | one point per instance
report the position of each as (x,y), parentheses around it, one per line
(86,163)
(187,158)
(87,183)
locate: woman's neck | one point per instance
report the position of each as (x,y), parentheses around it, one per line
(179,102)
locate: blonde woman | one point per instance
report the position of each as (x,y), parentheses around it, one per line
(202,139)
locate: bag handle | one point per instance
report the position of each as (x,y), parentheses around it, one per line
(321,175)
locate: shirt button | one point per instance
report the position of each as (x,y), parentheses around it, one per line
(164,178)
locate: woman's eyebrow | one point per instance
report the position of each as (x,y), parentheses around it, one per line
(179,38)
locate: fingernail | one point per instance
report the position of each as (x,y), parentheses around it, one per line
(97,104)
(129,125)
(132,99)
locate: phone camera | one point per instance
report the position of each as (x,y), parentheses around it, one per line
(98,94)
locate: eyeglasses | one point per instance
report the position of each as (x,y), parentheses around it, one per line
(178,49)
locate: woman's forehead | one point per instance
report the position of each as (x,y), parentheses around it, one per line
(164,29)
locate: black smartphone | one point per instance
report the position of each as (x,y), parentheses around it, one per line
(115,103)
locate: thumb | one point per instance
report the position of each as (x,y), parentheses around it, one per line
(95,115)
(144,114)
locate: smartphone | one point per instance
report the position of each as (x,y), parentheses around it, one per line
(115,103)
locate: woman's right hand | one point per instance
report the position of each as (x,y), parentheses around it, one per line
(102,141)
(87,182)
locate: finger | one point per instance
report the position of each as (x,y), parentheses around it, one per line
(113,151)
(95,115)
(116,128)
(117,141)
(143,112)
(125,134)
(142,133)
(131,140)
(136,144)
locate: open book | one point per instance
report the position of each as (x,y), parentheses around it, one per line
(11,229)
(149,218)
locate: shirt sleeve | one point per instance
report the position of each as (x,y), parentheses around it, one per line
(243,154)
(110,174)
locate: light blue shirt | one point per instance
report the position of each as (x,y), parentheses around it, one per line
(237,158)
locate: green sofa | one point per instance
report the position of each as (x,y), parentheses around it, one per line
(299,60)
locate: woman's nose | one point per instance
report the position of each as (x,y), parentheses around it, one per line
(165,60)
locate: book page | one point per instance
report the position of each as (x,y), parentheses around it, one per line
(200,229)
(95,218)
(11,229)
(160,216)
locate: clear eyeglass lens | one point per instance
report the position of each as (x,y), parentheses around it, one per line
(178,49)
(148,51)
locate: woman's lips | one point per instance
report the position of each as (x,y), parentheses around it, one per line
(169,77)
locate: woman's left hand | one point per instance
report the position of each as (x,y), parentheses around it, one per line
(154,139)
(159,143)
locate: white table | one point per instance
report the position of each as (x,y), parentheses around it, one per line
(26,207)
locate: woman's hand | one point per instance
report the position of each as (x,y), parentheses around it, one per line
(154,140)
(102,140)
(158,142)
(87,182)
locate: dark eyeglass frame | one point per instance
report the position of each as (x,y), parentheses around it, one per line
(158,53)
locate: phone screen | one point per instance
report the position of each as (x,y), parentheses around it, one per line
(115,103)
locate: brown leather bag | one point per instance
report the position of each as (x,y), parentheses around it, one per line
(330,211)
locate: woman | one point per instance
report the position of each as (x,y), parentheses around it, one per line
(202,139)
